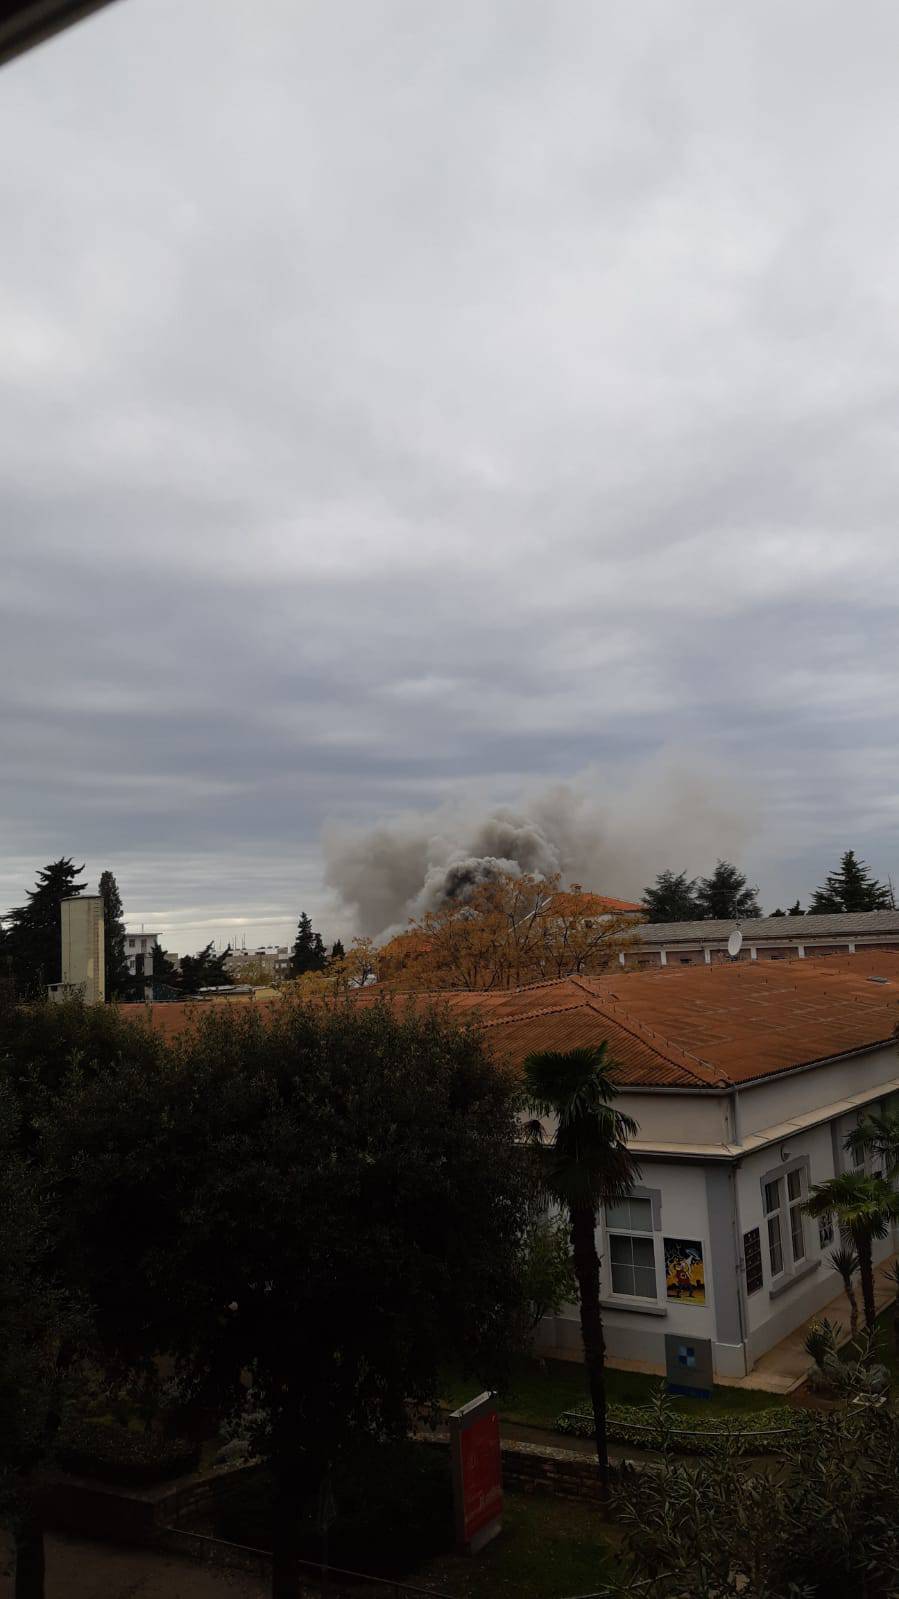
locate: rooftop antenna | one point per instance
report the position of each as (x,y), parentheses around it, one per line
(735,943)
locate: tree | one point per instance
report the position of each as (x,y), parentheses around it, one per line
(877,1134)
(512,929)
(308,953)
(864,1208)
(204,970)
(796,910)
(338,953)
(547,1267)
(672,898)
(118,977)
(585,1164)
(165,973)
(253,969)
(326,1158)
(34,932)
(40,1320)
(845,1260)
(726,896)
(850,888)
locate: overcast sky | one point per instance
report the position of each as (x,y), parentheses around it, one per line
(409,405)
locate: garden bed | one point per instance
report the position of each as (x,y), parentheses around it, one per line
(758,1432)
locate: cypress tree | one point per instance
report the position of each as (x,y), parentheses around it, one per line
(338,953)
(850,888)
(33,939)
(118,977)
(308,953)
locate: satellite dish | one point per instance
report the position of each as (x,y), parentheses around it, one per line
(735,943)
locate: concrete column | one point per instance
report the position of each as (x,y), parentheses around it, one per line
(708,955)
(753,953)
(663,957)
(801,951)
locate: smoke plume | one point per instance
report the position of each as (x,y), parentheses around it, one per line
(672,816)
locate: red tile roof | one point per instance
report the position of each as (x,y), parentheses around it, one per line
(684,1027)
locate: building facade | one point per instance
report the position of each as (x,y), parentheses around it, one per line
(762,938)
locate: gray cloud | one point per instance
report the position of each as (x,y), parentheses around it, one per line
(410,410)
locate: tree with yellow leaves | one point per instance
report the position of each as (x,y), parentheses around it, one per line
(509,931)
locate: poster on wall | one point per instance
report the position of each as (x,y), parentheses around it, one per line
(684,1272)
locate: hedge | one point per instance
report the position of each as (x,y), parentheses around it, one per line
(113,1453)
(754,1432)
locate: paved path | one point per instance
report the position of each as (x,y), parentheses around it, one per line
(78,1569)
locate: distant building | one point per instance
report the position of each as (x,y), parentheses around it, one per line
(83,950)
(274,958)
(139,949)
(763,938)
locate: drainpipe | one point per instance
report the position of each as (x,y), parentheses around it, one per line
(742,1308)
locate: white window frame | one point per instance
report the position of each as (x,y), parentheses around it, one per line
(652,1197)
(783,1219)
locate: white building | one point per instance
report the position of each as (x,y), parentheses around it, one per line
(139,948)
(745,1080)
(764,938)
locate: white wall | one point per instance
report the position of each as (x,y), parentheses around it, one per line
(766,1104)
(636,1331)
(679,1118)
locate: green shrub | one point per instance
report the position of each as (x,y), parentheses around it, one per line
(393,1504)
(750,1432)
(114,1454)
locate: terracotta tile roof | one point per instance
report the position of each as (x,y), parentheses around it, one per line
(684,1027)
(573,901)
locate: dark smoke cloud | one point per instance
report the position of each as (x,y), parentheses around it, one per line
(673,816)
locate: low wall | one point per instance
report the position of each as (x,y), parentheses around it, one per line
(538,1468)
(93,1509)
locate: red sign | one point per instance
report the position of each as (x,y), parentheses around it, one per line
(482,1485)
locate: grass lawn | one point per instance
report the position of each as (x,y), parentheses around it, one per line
(548,1549)
(540,1391)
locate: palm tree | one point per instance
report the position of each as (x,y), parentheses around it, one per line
(845,1261)
(585,1164)
(892,1272)
(864,1208)
(877,1134)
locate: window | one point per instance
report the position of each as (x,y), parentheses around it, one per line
(772,1216)
(632,1257)
(796,1197)
(783,1196)
(825,1232)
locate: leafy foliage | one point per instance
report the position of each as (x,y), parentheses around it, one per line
(672,898)
(749,1432)
(118,977)
(547,1276)
(822,1524)
(303,1164)
(33,936)
(865,1208)
(507,930)
(584,1163)
(131,1457)
(308,953)
(726,896)
(204,970)
(850,888)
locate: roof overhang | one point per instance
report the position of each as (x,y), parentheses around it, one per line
(24,26)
